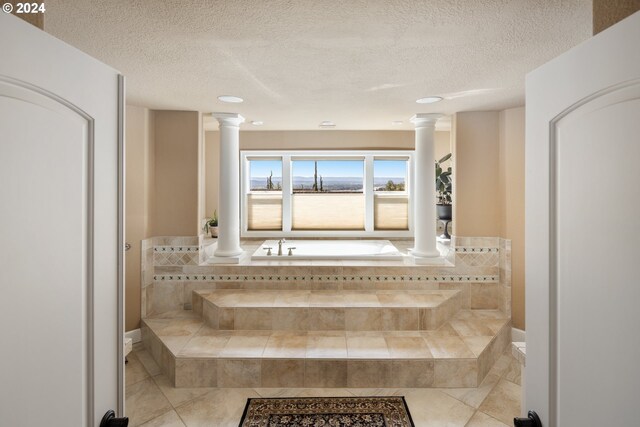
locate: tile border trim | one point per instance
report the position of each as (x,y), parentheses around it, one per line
(322,278)
(175,249)
(475,249)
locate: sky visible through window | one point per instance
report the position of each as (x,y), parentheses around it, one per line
(329,168)
(390,168)
(389,175)
(260,172)
(263,168)
(333,168)
(333,175)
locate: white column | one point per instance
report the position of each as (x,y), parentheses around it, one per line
(369,201)
(229,182)
(424,187)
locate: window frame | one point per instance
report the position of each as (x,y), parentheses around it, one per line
(287,193)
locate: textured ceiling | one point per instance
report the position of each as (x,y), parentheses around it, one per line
(359,63)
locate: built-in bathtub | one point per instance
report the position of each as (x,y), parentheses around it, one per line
(329,249)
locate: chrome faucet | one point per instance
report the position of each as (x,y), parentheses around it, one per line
(280,242)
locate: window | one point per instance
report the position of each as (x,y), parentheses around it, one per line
(342,193)
(264,200)
(266,175)
(391,200)
(327,195)
(389,175)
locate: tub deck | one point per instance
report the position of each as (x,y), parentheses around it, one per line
(374,250)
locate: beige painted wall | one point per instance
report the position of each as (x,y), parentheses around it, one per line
(162,187)
(178,136)
(512,131)
(202,183)
(476,207)
(310,140)
(139,199)
(488,150)
(608,12)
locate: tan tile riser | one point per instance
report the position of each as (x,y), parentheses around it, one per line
(330,318)
(164,296)
(261,372)
(197,302)
(165,359)
(168,296)
(455,373)
(493,351)
(324,373)
(486,296)
(196,373)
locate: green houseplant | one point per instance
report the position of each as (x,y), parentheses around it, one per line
(443,188)
(211,226)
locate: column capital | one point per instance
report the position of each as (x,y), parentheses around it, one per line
(228,119)
(425,119)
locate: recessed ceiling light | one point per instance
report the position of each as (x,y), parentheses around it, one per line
(397,122)
(230,98)
(327,124)
(257,123)
(429,100)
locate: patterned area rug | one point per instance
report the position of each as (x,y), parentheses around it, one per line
(327,412)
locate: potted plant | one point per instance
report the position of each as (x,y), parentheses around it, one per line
(211,226)
(443,189)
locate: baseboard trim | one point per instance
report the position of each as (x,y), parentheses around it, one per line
(518,335)
(135,335)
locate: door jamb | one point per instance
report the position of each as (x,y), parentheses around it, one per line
(121,242)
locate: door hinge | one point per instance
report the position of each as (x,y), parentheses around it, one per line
(110,420)
(532,420)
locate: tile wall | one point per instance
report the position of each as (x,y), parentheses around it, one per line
(172,268)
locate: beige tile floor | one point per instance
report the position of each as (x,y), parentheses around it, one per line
(151,401)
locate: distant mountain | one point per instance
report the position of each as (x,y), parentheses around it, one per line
(330,183)
(383,181)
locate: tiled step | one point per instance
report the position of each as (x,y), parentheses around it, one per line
(390,310)
(458,354)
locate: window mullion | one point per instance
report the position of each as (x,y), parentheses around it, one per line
(286,193)
(368,194)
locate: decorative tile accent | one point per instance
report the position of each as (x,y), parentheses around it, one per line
(478,259)
(466,249)
(278,278)
(180,255)
(178,249)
